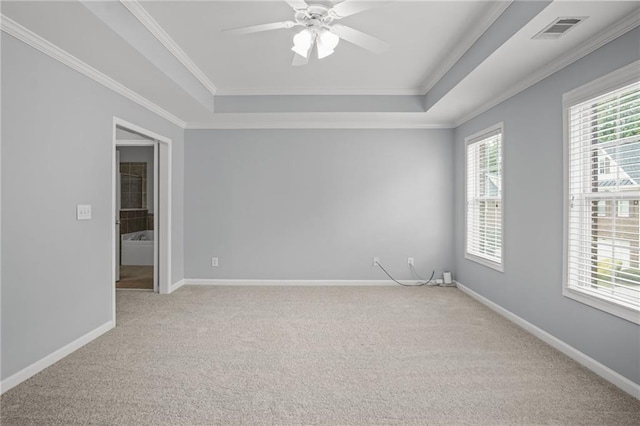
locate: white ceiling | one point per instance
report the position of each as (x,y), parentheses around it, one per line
(426,38)
(515,64)
(420,34)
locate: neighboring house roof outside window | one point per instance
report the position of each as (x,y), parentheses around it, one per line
(495,185)
(615,182)
(624,157)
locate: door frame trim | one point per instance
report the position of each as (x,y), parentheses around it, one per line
(162,204)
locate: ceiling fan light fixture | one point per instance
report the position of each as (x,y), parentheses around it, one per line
(302,42)
(327,42)
(320,28)
(323,53)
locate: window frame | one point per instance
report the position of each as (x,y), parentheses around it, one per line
(468,141)
(608,83)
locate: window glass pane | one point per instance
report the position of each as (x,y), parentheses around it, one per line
(604,189)
(484,196)
(602,208)
(623,208)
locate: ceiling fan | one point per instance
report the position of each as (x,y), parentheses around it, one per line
(320,28)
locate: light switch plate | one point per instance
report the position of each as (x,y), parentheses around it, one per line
(83,212)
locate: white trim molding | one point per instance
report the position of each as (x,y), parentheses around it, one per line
(598,368)
(608,82)
(471,36)
(165,39)
(305,283)
(595,298)
(481,137)
(611,33)
(164,184)
(176,286)
(33,369)
(119,122)
(591,299)
(27,36)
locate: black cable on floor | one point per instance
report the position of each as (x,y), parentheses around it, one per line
(426,283)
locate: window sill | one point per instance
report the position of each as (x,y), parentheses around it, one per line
(484,262)
(591,299)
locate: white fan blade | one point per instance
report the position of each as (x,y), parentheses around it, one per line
(298,4)
(299,60)
(262,27)
(360,39)
(348,8)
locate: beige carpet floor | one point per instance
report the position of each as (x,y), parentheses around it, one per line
(314,355)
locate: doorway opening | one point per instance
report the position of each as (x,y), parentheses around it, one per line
(141,206)
(136,195)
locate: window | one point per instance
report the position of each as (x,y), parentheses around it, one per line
(602,208)
(605,165)
(602,145)
(623,208)
(484,197)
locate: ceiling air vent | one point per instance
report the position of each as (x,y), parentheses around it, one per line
(559,27)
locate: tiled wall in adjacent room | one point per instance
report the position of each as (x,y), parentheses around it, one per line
(133,221)
(133,186)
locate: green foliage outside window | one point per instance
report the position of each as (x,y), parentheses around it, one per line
(617,121)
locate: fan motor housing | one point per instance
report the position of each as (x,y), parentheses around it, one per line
(315,16)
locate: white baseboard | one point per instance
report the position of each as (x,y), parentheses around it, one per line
(600,369)
(173,287)
(52,358)
(307,283)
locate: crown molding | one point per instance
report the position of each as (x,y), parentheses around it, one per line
(465,44)
(625,25)
(27,36)
(311,91)
(141,14)
(600,86)
(319,121)
(226,121)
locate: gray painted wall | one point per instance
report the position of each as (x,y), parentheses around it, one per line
(56,153)
(317,204)
(531,285)
(140,154)
(320,103)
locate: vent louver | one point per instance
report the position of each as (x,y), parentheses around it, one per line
(559,27)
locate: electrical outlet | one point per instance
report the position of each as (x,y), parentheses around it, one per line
(438,280)
(410,261)
(214,261)
(376,260)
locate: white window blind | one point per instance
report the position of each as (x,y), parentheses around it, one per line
(603,253)
(484,197)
